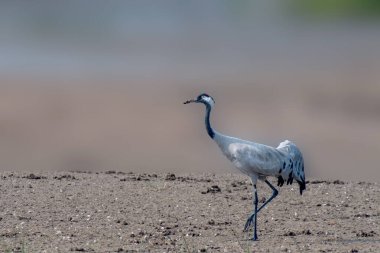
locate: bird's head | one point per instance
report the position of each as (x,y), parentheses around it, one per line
(202,98)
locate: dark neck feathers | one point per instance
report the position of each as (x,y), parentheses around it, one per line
(210,131)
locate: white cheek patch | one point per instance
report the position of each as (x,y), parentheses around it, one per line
(208,100)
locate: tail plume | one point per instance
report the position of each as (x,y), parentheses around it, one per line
(295,164)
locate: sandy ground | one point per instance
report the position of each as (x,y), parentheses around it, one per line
(128,212)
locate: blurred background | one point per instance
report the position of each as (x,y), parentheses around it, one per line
(99,85)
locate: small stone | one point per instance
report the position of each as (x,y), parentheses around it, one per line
(170,177)
(211,222)
(213,189)
(166,233)
(78,249)
(291,233)
(307,232)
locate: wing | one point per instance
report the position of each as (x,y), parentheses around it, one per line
(293,165)
(255,158)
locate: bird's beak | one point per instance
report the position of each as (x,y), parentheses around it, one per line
(190,101)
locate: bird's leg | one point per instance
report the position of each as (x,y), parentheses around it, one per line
(274,194)
(256,203)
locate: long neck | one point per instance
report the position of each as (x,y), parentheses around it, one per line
(210,131)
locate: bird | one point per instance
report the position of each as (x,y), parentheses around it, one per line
(258,161)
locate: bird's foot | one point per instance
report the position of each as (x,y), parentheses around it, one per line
(255,238)
(248,223)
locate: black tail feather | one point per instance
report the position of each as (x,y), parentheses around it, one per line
(280,181)
(290,178)
(302,185)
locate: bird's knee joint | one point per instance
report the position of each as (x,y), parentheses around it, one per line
(275,192)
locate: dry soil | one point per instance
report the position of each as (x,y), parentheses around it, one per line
(129,212)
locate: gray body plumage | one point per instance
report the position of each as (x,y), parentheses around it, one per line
(259,161)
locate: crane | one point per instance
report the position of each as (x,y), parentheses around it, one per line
(258,161)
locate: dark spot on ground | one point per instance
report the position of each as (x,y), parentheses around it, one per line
(211,222)
(362,215)
(213,189)
(290,233)
(32,176)
(80,249)
(366,234)
(170,177)
(68,177)
(318,182)
(338,182)
(307,232)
